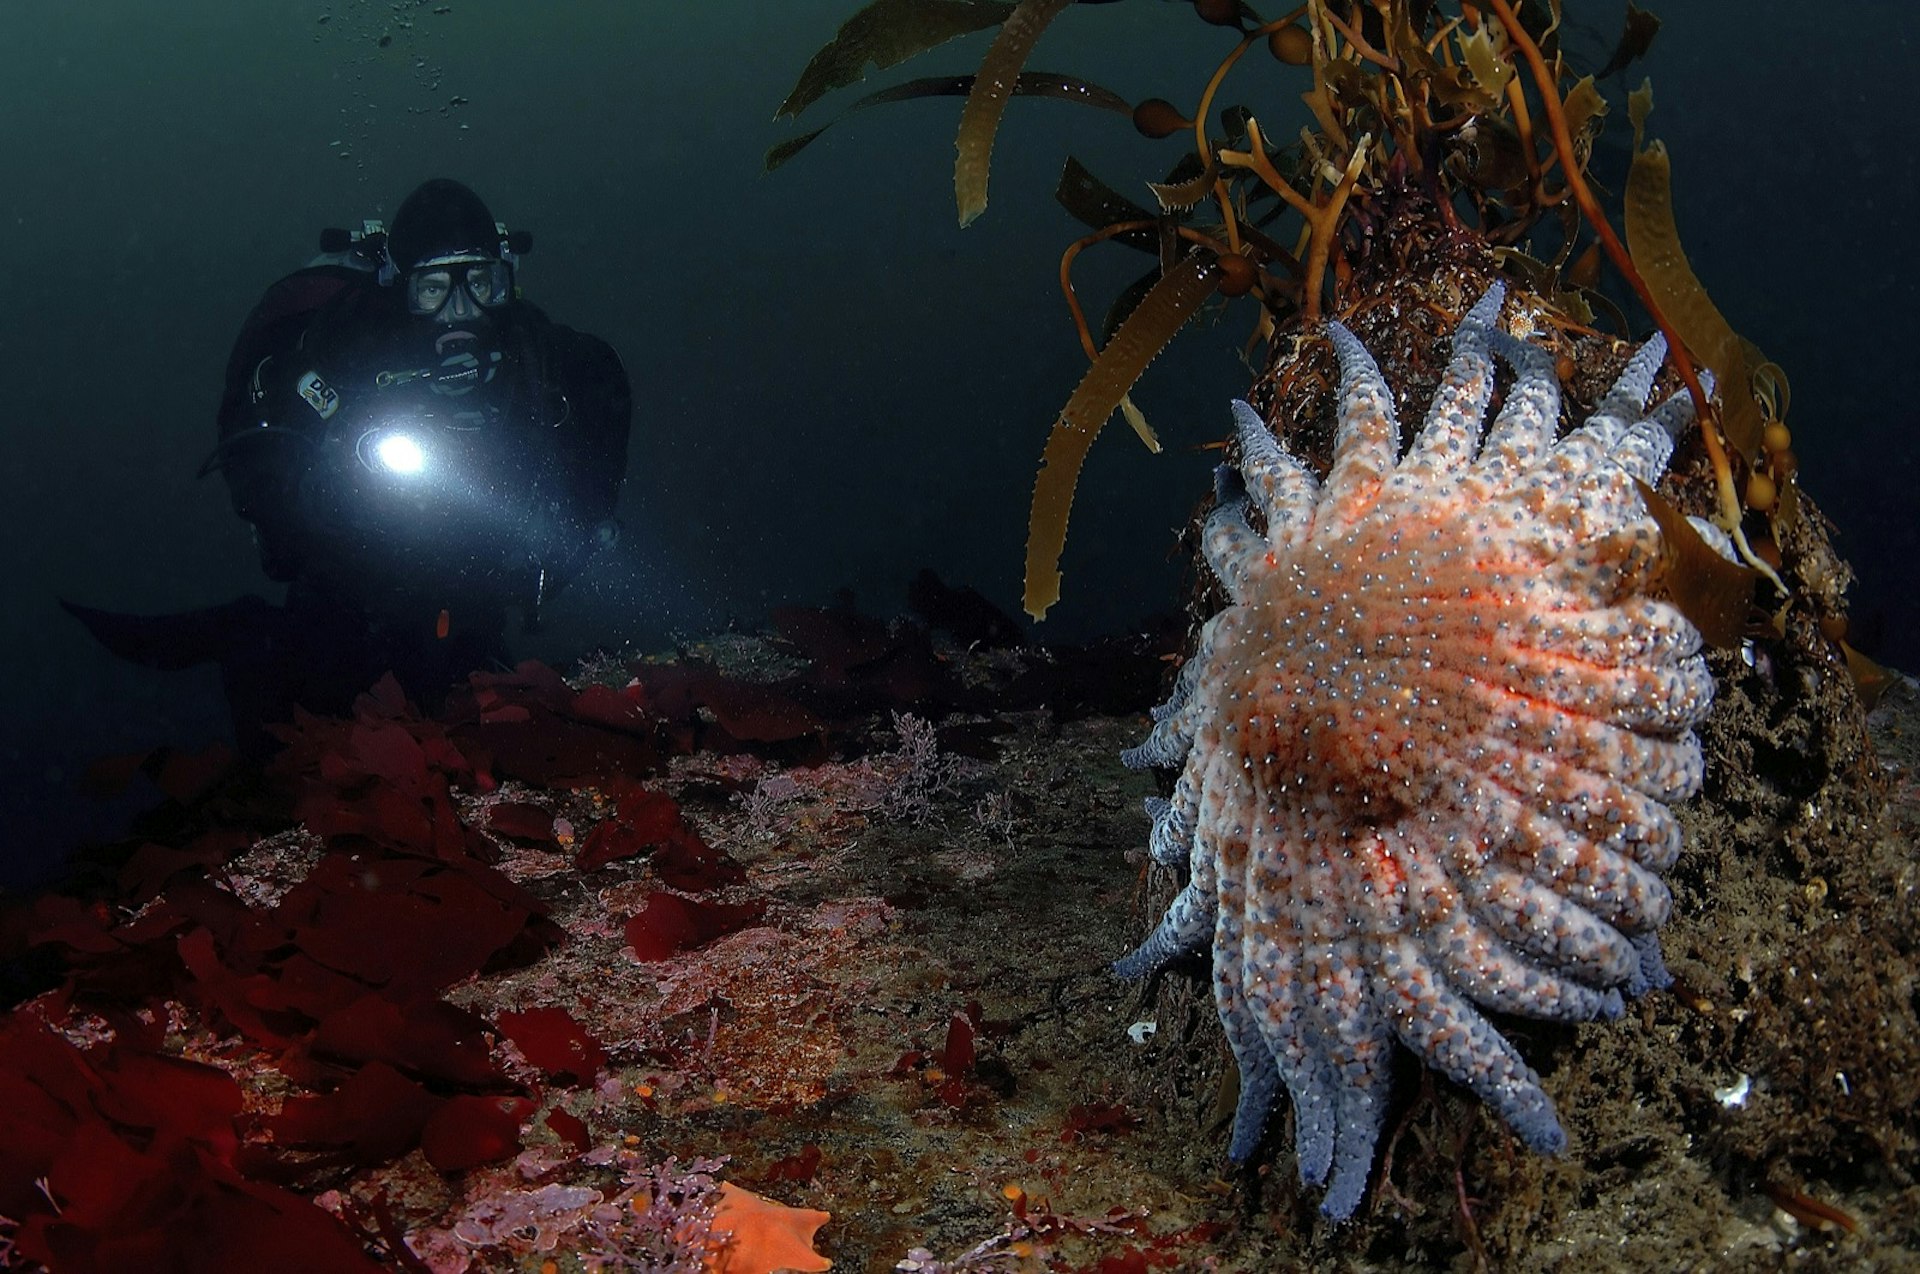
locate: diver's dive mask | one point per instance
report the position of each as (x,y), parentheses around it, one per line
(468,284)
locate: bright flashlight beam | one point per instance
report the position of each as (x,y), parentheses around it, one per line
(400,454)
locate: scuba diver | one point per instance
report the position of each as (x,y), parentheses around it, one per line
(419,451)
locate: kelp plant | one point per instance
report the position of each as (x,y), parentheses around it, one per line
(1448,142)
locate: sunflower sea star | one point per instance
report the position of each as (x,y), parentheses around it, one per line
(1428,748)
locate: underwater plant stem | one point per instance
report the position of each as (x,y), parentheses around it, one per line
(1326,226)
(1704,409)
(1255,157)
(1229,220)
(1079,245)
(1523,125)
(1219,77)
(1322,219)
(1074,249)
(1390,65)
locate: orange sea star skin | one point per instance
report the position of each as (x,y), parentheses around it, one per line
(765,1236)
(1427,752)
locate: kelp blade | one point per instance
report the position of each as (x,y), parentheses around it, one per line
(1162,312)
(1714,594)
(1653,241)
(992,86)
(780,152)
(1067,88)
(887,33)
(1636,37)
(1097,205)
(1869,678)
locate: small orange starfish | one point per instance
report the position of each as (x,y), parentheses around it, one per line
(765,1237)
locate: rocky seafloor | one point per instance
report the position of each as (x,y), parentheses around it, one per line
(826,915)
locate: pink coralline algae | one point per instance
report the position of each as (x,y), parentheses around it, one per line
(1427,751)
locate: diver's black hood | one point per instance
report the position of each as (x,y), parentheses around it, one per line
(440,218)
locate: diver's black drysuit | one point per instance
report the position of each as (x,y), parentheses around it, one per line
(522,427)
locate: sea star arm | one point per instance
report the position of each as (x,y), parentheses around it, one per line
(1524,429)
(1480,964)
(1550,928)
(1450,1035)
(1450,434)
(1284,488)
(1232,549)
(1171,841)
(1366,447)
